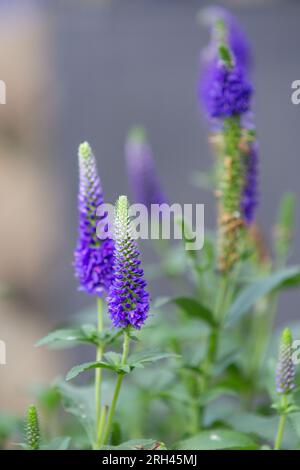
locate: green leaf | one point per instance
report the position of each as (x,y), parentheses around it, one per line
(9,425)
(225,55)
(216,393)
(137,444)
(195,309)
(263,426)
(113,358)
(217,439)
(284,228)
(294,420)
(58,443)
(140,358)
(76,370)
(287,277)
(70,337)
(80,402)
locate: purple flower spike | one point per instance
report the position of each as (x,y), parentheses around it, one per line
(142,175)
(128,301)
(93,258)
(225,91)
(285,372)
(249,198)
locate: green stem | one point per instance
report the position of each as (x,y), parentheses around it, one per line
(282,421)
(215,333)
(117,389)
(101,426)
(98,370)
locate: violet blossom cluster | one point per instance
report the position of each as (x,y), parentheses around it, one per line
(128,300)
(93,258)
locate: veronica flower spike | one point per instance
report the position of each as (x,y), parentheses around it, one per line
(143,179)
(128,300)
(93,256)
(285,381)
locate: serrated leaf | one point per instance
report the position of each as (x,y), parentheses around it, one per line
(217,439)
(76,370)
(287,277)
(70,337)
(62,337)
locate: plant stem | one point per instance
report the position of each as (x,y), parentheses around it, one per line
(98,370)
(278,440)
(215,333)
(219,313)
(117,389)
(101,426)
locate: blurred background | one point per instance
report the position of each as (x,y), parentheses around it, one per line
(88,70)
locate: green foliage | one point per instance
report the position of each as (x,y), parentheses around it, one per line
(114,363)
(138,444)
(70,337)
(287,277)
(217,439)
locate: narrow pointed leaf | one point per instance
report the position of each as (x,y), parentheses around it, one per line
(287,277)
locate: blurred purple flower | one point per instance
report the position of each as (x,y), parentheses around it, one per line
(249,197)
(224,91)
(93,258)
(143,179)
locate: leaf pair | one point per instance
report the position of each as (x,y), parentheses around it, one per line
(70,337)
(113,361)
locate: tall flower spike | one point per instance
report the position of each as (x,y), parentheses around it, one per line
(285,372)
(32,429)
(93,257)
(143,179)
(128,301)
(226,93)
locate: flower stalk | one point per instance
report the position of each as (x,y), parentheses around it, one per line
(117,388)
(98,375)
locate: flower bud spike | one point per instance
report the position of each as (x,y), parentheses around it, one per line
(32,429)
(285,372)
